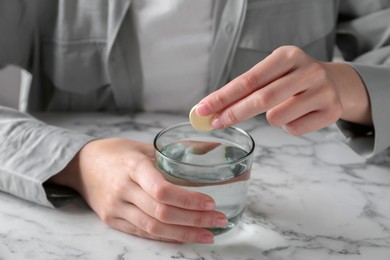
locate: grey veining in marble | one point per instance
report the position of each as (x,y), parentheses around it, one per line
(310,197)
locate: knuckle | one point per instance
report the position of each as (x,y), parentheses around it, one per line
(111,204)
(161,212)
(293,129)
(290,55)
(139,161)
(136,165)
(248,82)
(119,188)
(319,71)
(318,68)
(198,221)
(186,202)
(282,50)
(333,115)
(230,117)
(272,118)
(106,218)
(289,51)
(151,226)
(262,100)
(219,99)
(158,191)
(138,232)
(329,96)
(186,236)
(294,52)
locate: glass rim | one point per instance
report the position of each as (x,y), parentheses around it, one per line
(222,164)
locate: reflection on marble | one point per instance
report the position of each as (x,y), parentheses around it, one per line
(310,197)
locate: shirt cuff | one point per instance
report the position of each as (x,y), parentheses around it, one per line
(369,141)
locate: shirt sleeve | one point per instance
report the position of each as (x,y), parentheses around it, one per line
(363,37)
(31,152)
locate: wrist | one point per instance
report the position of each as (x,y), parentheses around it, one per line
(353,93)
(70,176)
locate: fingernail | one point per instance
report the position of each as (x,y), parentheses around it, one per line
(206,238)
(216,123)
(220,222)
(202,109)
(209,205)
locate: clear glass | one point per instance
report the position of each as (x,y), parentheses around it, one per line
(217,163)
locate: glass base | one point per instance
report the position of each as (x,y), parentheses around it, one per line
(232,222)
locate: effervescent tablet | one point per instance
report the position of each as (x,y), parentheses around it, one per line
(200,123)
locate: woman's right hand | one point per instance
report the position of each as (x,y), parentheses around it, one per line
(119,180)
(295,91)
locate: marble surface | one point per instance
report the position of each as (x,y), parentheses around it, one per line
(310,197)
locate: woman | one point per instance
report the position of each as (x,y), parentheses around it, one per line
(244,57)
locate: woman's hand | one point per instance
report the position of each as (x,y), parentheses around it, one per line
(296,92)
(118,179)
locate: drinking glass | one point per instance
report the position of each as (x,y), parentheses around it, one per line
(217,163)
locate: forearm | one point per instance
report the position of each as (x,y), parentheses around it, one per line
(32,152)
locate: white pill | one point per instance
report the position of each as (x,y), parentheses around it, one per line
(200,123)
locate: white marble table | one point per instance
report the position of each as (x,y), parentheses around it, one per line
(310,198)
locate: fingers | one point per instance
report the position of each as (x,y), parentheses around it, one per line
(164,214)
(262,100)
(142,224)
(173,215)
(274,66)
(126,227)
(312,111)
(153,183)
(308,123)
